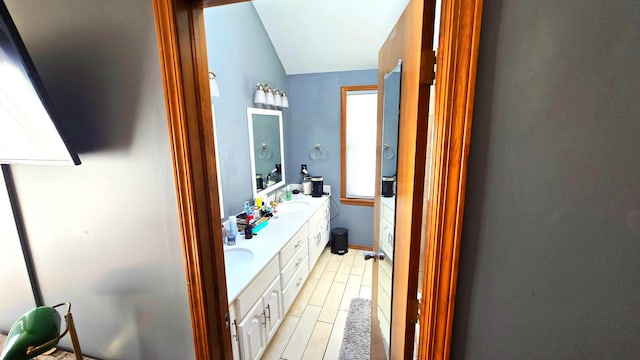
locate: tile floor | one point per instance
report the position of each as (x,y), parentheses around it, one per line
(314,326)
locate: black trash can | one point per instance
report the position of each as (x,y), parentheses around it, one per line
(339,241)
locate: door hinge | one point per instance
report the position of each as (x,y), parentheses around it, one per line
(418,312)
(428,67)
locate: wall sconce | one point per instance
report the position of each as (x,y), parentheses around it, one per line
(265,95)
(213,85)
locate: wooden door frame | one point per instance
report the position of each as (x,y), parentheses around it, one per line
(457,57)
(183,61)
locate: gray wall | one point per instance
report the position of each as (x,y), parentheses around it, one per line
(14,274)
(104,235)
(549,262)
(315,119)
(241,55)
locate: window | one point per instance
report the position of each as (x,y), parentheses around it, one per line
(358,124)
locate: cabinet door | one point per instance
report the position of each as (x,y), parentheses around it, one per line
(272,300)
(252,334)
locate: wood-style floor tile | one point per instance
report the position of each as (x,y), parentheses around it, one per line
(281,339)
(318,341)
(301,335)
(335,341)
(351,291)
(332,303)
(345,269)
(303,298)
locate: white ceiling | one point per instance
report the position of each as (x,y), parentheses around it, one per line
(312,36)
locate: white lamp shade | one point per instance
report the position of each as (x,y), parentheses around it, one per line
(269,98)
(213,85)
(259,97)
(277,99)
(285,101)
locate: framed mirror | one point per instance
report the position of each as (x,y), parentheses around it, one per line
(266,146)
(390,127)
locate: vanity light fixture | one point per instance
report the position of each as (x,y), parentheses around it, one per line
(265,95)
(259,97)
(277,98)
(213,85)
(270,100)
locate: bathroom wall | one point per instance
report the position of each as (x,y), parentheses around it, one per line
(104,235)
(241,55)
(314,118)
(549,264)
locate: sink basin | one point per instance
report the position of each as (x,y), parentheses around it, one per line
(292,206)
(237,257)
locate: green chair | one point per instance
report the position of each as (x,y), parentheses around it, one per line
(38,331)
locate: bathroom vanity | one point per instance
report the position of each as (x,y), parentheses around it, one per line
(265,274)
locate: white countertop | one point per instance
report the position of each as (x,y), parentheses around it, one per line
(267,243)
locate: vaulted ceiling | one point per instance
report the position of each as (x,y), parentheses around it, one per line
(312,36)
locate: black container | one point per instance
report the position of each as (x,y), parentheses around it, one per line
(339,241)
(388,186)
(317,186)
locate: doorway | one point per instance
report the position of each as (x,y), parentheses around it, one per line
(181,35)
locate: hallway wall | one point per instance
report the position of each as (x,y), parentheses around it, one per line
(104,235)
(549,259)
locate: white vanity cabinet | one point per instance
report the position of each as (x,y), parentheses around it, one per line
(318,233)
(387,228)
(258,313)
(289,246)
(261,323)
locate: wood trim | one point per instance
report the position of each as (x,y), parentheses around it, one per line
(360,247)
(356,201)
(343,145)
(210,3)
(181,43)
(455,89)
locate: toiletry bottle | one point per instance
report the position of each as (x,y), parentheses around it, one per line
(287,193)
(233,231)
(248,231)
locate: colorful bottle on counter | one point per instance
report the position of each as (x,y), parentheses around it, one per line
(287,193)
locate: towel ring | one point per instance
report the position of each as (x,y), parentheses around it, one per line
(317,153)
(387,152)
(264,152)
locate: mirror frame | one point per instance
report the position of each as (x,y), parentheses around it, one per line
(257,111)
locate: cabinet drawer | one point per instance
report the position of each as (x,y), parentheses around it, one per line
(258,286)
(292,247)
(320,214)
(293,288)
(294,264)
